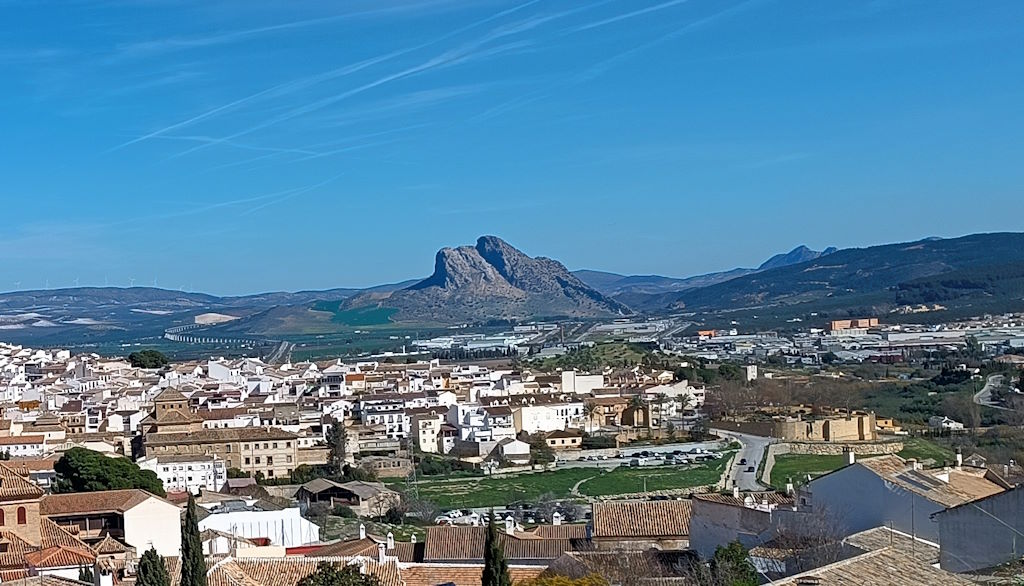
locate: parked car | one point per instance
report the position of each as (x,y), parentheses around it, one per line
(743,461)
(750,468)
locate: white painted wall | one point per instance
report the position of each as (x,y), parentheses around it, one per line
(285,527)
(154,522)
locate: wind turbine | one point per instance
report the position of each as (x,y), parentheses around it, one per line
(76,281)
(131,281)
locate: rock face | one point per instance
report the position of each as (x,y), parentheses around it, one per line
(797,255)
(494,280)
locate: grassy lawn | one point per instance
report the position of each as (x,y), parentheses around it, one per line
(498,492)
(338,528)
(798,466)
(629,480)
(926,449)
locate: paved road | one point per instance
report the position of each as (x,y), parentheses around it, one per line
(984,396)
(753,451)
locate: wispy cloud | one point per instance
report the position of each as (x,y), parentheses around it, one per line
(293,86)
(148,48)
(601,67)
(627,15)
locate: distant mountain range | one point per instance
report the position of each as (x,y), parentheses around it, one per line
(633,285)
(980,273)
(493,281)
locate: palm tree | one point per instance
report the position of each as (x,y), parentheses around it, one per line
(589,409)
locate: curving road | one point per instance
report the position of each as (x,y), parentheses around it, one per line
(984,396)
(752,450)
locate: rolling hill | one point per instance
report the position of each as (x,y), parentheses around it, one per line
(633,289)
(880,277)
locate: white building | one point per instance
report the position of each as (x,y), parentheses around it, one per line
(945,424)
(283,527)
(134,516)
(23,446)
(573,382)
(191,473)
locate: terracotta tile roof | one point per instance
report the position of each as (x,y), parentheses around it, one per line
(354,547)
(773,498)
(14,487)
(108,545)
(22,439)
(444,544)
(642,519)
(170,394)
(117,501)
(60,557)
(567,531)
(892,559)
(288,571)
(460,574)
(53,534)
(222,435)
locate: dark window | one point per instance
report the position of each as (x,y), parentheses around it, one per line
(22,516)
(1,518)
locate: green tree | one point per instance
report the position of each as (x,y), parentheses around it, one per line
(540,451)
(85,575)
(152,570)
(82,470)
(148,359)
(495,566)
(337,441)
(193,565)
(731,567)
(327,574)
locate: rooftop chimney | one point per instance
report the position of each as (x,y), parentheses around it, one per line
(735,492)
(381,552)
(510,525)
(789,486)
(412,538)
(959,459)
(362,531)
(556,518)
(391,540)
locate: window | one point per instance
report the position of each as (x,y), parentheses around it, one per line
(265,447)
(227,448)
(1,518)
(275,445)
(257,459)
(287,444)
(270,460)
(245,446)
(22,516)
(288,459)
(247,461)
(270,473)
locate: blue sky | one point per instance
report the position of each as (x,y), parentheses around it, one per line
(235,147)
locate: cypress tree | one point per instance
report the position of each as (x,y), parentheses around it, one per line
(495,567)
(193,566)
(152,571)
